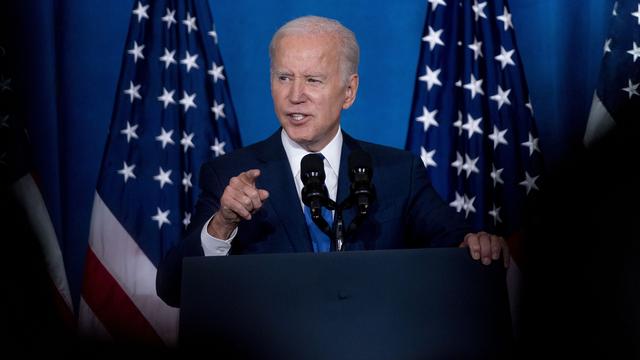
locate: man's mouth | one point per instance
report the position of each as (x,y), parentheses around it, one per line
(297,117)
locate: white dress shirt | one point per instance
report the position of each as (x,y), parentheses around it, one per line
(217,247)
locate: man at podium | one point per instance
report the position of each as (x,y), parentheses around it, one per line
(274,197)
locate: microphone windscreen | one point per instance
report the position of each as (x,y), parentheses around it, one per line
(360,159)
(312,165)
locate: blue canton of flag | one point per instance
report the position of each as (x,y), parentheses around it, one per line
(172,112)
(617,97)
(472,121)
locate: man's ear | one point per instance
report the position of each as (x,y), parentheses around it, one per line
(351,91)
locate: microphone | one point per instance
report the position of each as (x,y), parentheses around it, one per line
(314,193)
(360,175)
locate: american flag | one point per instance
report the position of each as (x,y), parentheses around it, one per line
(172,112)
(472,120)
(617,97)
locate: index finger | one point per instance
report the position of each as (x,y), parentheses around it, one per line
(249,177)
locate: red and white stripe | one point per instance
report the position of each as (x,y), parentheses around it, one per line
(119,299)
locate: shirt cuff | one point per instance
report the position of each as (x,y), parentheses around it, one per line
(212,246)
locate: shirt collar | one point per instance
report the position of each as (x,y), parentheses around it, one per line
(295,152)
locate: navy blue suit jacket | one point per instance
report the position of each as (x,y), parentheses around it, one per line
(407,212)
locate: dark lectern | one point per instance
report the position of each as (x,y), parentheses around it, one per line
(382,304)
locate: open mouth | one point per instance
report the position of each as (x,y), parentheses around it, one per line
(297,117)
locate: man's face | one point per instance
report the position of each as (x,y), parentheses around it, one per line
(308,88)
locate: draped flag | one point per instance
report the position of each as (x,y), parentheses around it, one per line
(617,97)
(472,121)
(172,112)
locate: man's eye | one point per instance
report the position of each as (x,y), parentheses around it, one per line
(314,81)
(283,78)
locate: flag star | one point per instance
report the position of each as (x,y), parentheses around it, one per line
(186,181)
(213,34)
(141,11)
(190,61)
(167,97)
(476,47)
(502,97)
(529,106)
(458,123)
(188,101)
(4,84)
(431,77)
(505,57)
(165,137)
(169,18)
(637,14)
(187,219)
(136,51)
(498,137)
(127,171)
(506,19)
(216,72)
(132,91)
(187,141)
(190,22)
(163,177)
(475,86)
(458,83)
(469,165)
(615,9)
(495,214)
(168,58)
(472,125)
(428,118)
(130,131)
(635,52)
(433,38)
(632,89)
(459,163)
(162,217)
(435,3)
(607,46)
(529,182)
(218,109)
(218,147)
(468,205)
(458,203)
(478,9)
(427,157)
(496,175)
(532,144)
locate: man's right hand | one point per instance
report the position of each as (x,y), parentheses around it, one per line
(240,199)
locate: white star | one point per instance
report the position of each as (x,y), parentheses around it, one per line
(477,48)
(637,14)
(169,18)
(162,217)
(458,83)
(167,97)
(472,125)
(635,52)
(505,57)
(532,144)
(495,213)
(190,61)
(496,175)
(190,22)
(218,109)
(168,58)
(435,3)
(427,157)
(127,171)
(187,219)
(529,182)
(136,51)
(130,131)
(165,137)
(615,9)
(163,177)
(141,11)
(502,97)
(186,181)
(607,46)
(458,203)
(529,106)
(632,89)
(216,72)
(468,205)
(187,141)
(428,118)
(469,165)
(431,77)
(479,9)
(459,163)
(218,147)
(506,19)
(475,86)
(188,101)
(433,38)
(458,123)
(213,34)
(133,91)
(498,137)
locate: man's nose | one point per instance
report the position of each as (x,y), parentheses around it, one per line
(297,92)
